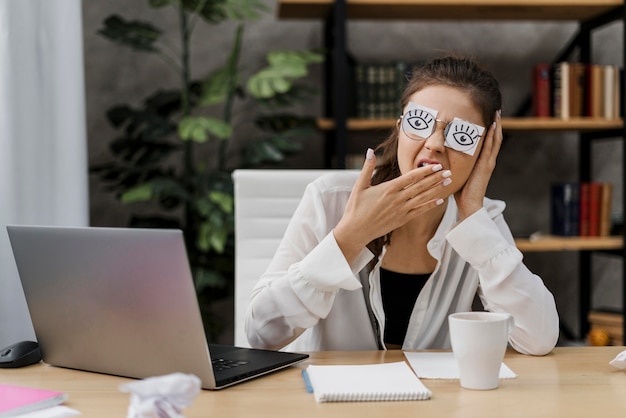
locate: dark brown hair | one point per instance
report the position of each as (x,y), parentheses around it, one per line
(460,72)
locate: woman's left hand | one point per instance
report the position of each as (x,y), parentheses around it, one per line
(469,198)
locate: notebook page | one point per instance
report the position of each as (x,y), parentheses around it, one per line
(369,382)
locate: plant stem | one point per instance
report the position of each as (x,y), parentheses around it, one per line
(188,147)
(233,63)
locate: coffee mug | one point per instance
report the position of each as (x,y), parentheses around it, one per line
(479,341)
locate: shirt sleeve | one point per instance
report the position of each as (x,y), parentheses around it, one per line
(299,287)
(506,284)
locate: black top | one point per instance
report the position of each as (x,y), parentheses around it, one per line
(399,292)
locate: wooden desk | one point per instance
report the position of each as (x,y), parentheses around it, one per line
(570,382)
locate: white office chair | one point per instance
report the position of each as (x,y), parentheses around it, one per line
(264,203)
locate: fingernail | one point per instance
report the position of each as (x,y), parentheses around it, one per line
(439,202)
(369,154)
(447,181)
(437,167)
(446,173)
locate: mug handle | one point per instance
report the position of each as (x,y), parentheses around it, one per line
(511,323)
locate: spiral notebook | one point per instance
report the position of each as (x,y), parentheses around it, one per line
(369,382)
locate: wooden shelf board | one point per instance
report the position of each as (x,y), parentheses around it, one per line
(553,243)
(508,124)
(576,10)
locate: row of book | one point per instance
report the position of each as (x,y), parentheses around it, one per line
(581,209)
(573,89)
(377,89)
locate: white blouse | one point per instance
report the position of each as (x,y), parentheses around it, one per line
(311,299)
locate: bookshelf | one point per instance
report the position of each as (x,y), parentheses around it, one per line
(590,15)
(450,9)
(553,243)
(508,124)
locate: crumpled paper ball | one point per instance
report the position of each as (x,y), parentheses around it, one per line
(161,396)
(619,361)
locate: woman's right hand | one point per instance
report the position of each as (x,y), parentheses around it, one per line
(374,211)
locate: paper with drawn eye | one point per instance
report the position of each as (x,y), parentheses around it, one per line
(427,365)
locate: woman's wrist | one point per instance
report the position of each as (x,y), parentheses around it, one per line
(349,245)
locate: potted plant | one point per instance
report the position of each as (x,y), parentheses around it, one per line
(160,156)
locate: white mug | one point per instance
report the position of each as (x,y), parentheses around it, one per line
(479,341)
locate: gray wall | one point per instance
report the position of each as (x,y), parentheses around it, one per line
(528,163)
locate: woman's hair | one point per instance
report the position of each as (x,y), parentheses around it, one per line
(453,71)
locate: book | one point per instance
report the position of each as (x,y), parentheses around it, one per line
(595,200)
(606,197)
(609,87)
(577,83)
(565,206)
(18,400)
(542,86)
(361,90)
(370,382)
(378,88)
(583,223)
(561,90)
(596,90)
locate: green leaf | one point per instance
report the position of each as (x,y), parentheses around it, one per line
(223,200)
(215,87)
(244,9)
(135,34)
(141,193)
(294,59)
(298,93)
(284,67)
(212,237)
(260,152)
(199,128)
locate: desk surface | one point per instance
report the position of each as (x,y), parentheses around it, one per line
(570,382)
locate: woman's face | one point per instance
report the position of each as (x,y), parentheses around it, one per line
(449,103)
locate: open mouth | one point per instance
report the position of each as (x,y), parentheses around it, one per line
(426,163)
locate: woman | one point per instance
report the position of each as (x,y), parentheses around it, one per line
(380,259)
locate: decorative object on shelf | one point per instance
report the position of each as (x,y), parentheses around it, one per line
(606,327)
(174,153)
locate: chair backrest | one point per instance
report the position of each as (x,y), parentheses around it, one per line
(265,200)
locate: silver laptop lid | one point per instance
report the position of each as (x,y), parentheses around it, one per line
(112,300)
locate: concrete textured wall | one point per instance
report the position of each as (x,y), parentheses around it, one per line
(528,163)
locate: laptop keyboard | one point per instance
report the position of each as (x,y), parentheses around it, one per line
(224,364)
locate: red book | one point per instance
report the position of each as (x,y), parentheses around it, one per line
(17,400)
(584,209)
(595,201)
(542,88)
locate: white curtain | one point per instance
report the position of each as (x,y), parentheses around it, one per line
(43,149)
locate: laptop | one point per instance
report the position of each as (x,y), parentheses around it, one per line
(121,301)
